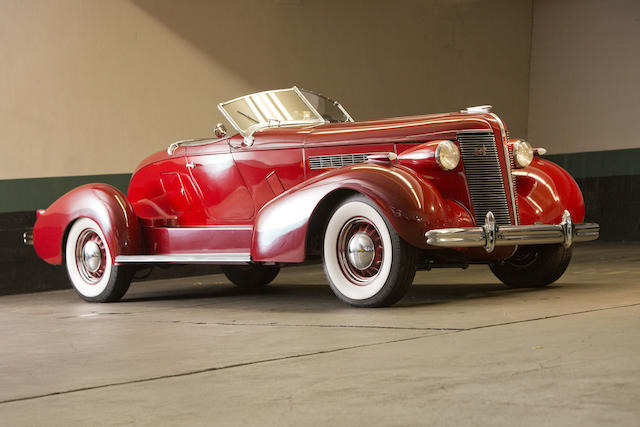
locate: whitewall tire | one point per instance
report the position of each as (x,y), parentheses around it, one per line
(366,262)
(90,266)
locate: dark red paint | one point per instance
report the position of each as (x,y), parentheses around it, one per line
(260,199)
(102,203)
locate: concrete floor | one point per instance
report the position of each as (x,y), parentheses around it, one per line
(459,349)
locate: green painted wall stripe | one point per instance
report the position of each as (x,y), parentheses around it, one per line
(38,193)
(599,163)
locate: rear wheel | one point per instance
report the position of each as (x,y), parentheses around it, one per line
(533,266)
(366,262)
(252,276)
(90,266)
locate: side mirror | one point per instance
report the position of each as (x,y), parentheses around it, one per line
(220,131)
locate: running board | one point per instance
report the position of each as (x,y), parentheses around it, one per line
(228,258)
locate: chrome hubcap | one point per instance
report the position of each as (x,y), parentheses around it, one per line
(91,256)
(361,251)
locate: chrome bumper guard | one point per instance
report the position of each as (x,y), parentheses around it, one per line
(27,238)
(491,235)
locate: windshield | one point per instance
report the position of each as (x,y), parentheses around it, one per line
(271,108)
(329,109)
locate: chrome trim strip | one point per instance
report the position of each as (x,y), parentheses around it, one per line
(491,235)
(346,114)
(382,157)
(503,133)
(27,238)
(474,130)
(212,228)
(220,258)
(190,142)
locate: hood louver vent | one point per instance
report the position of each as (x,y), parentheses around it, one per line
(336,161)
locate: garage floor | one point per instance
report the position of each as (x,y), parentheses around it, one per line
(459,349)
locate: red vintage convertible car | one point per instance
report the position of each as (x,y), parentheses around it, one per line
(300,180)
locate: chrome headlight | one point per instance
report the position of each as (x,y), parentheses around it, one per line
(447,155)
(522,153)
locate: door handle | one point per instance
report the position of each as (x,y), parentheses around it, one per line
(191,165)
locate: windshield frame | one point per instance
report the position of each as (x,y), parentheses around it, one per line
(249,131)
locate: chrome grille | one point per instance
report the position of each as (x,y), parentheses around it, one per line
(336,161)
(484,176)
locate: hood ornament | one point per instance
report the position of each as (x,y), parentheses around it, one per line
(478,109)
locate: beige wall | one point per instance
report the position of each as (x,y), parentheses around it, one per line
(93,86)
(585,75)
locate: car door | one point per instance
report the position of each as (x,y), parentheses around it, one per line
(272,165)
(221,195)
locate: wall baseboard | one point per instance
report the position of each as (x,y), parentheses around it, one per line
(614,203)
(38,193)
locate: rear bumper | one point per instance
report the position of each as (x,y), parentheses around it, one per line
(491,235)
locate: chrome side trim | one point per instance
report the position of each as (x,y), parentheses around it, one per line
(382,157)
(221,258)
(491,235)
(344,111)
(503,133)
(211,228)
(189,142)
(27,238)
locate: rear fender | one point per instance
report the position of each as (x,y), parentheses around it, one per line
(411,204)
(104,204)
(545,190)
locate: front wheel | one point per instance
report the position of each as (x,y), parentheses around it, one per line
(90,264)
(533,266)
(366,262)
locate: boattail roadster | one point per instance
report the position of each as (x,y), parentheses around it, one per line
(300,180)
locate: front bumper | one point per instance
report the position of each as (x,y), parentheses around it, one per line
(491,235)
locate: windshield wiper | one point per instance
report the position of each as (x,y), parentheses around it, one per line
(247,116)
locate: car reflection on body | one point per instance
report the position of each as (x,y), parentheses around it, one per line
(301,180)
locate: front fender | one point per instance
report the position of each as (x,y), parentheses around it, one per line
(411,204)
(104,204)
(545,190)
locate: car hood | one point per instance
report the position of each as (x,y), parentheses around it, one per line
(399,129)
